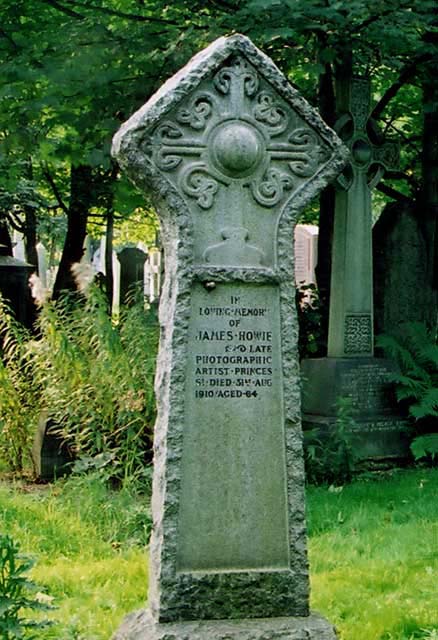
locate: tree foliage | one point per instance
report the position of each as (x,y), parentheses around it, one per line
(73,70)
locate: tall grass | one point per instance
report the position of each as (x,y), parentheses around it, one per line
(92,378)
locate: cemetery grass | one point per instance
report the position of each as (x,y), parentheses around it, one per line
(373,548)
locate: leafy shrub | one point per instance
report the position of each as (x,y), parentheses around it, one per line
(329,455)
(415,349)
(18,593)
(311,341)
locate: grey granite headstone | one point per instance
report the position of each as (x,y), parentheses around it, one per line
(232,154)
(351,370)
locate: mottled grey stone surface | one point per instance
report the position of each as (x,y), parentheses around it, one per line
(231,153)
(141,626)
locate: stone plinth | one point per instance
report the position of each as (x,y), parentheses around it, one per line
(141,626)
(232,154)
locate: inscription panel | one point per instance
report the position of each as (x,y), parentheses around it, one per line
(369,387)
(233,512)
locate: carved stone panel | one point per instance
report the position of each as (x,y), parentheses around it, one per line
(237,152)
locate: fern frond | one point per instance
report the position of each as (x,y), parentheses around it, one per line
(428,405)
(423,446)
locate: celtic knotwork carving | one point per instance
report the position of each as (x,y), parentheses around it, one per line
(240,72)
(388,155)
(198,183)
(222,80)
(360,94)
(168,132)
(358,333)
(270,190)
(270,113)
(197,113)
(304,153)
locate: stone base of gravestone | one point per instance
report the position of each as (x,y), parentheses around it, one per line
(141,626)
(380,433)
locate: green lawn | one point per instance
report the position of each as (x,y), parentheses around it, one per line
(373,550)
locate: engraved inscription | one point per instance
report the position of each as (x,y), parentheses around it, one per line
(369,387)
(358,333)
(234,361)
(234,404)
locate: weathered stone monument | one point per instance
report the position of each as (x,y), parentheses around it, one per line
(132,261)
(42,263)
(351,370)
(14,286)
(232,154)
(306,253)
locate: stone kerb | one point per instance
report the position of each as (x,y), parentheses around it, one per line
(231,153)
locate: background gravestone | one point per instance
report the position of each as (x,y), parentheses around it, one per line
(232,154)
(132,261)
(400,266)
(14,286)
(306,253)
(351,370)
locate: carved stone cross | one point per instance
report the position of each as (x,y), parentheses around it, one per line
(232,154)
(351,296)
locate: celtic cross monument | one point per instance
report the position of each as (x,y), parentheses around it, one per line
(351,297)
(351,371)
(231,153)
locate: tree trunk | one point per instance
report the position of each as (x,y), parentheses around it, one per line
(30,225)
(429,199)
(30,236)
(328,110)
(81,183)
(5,237)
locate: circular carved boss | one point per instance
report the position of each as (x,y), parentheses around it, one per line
(236,148)
(361,152)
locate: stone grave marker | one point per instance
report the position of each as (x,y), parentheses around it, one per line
(232,153)
(155,272)
(14,286)
(351,370)
(18,250)
(306,253)
(42,263)
(132,261)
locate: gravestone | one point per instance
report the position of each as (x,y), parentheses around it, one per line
(231,154)
(400,268)
(351,370)
(306,253)
(132,261)
(18,250)
(42,263)
(14,286)
(155,272)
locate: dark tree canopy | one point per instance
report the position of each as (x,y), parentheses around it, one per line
(73,70)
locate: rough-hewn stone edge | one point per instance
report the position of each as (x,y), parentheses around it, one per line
(140,626)
(199,68)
